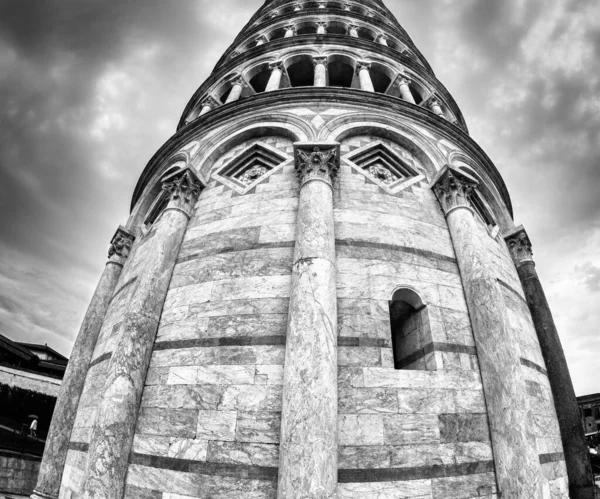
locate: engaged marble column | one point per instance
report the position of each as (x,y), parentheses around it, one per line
(59,434)
(321,28)
(581,480)
(353,30)
(275,78)
(290,31)
(320,64)
(382,39)
(406,94)
(364,76)
(115,422)
(308,448)
(516,459)
(237,85)
(436,107)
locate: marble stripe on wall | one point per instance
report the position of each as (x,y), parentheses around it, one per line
(123,287)
(435,347)
(103,358)
(533,365)
(416,473)
(220,342)
(353,244)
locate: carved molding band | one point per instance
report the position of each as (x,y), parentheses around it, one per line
(183,188)
(452,188)
(519,245)
(317,161)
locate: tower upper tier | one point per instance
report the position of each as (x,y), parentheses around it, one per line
(345,36)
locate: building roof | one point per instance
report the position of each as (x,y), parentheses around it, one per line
(23,356)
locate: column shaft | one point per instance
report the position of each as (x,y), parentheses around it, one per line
(63,418)
(113,430)
(382,40)
(289,32)
(275,78)
(437,108)
(364,77)
(321,28)
(320,73)
(516,458)
(353,31)
(405,91)
(308,448)
(236,92)
(205,109)
(581,479)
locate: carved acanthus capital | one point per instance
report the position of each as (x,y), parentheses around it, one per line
(120,245)
(276,65)
(322,24)
(360,65)
(404,80)
(290,27)
(520,246)
(317,161)
(237,80)
(183,188)
(352,27)
(322,5)
(320,60)
(211,102)
(298,6)
(452,188)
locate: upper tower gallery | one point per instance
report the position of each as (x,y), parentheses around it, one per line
(319,292)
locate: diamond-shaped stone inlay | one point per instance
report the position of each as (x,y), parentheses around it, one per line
(382,165)
(250,166)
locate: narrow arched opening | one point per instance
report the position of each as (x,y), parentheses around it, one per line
(340,71)
(336,28)
(259,81)
(381,81)
(301,72)
(411,332)
(307,29)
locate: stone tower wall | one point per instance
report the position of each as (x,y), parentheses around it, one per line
(210,412)
(321,205)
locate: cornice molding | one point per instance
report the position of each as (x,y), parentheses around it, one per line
(318,95)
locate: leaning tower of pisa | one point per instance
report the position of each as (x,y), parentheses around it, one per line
(320,292)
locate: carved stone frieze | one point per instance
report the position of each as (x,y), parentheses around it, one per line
(120,244)
(317,161)
(519,245)
(452,188)
(183,188)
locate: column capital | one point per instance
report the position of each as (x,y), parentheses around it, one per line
(274,13)
(183,188)
(360,65)
(322,5)
(288,27)
(298,6)
(403,80)
(432,102)
(381,36)
(347,6)
(276,65)
(452,188)
(317,161)
(519,245)
(210,101)
(262,39)
(322,24)
(321,59)
(352,26)
(120,245)
(237,80)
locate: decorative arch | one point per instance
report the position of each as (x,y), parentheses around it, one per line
(350,125)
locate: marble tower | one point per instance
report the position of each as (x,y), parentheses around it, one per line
(320,292)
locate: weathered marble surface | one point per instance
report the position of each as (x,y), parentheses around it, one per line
(63,418)
(515,452)
(115,422)
(581,484)
(308,446)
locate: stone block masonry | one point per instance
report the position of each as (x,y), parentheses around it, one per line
(18,473)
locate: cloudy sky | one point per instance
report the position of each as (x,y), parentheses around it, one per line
(89,89)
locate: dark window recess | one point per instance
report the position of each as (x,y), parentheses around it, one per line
(411,333)
(587,413)
(157,208)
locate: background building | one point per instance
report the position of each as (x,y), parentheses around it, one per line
(30,377)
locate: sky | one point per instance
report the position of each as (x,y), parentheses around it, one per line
(89,90)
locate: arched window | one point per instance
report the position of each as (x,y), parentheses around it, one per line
(301,72)
(411,332)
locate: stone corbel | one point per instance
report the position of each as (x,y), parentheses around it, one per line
(519,245)
(452,188)
(183,188)
(317,161)
(120,246)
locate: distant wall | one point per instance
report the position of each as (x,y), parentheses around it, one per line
(18,473)
(29,381)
